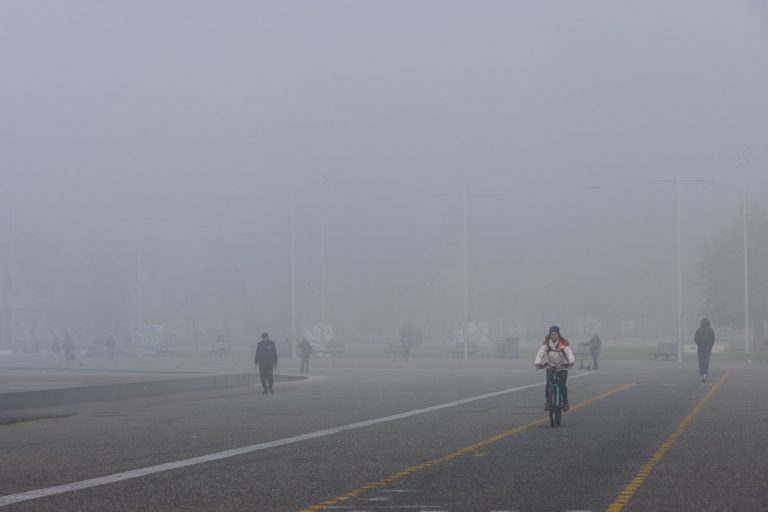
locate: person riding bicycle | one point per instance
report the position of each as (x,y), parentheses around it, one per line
(555,351)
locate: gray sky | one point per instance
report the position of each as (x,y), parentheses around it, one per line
(195,120)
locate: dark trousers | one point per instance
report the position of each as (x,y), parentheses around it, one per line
(563,388)
(304,364)
(704,356)
(265,372)
(594,360)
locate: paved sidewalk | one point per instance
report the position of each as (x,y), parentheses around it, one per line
(31,381)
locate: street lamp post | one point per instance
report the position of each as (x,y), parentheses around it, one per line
(679,259)
(465,323)
(679,276)
(293,276)
(746,259)
(465,265)
(12,281)
(322,267)
(746,272)
(139,287)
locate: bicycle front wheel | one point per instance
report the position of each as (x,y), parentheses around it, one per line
(554,407)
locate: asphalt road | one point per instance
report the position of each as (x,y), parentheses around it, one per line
(639,436)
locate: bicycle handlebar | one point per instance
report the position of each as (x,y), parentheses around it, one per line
(555,366)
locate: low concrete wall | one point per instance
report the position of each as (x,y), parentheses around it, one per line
(108,392)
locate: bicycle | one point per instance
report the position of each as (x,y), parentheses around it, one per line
(555,396)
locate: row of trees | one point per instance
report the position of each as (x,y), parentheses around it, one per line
(722,274)
(231,275)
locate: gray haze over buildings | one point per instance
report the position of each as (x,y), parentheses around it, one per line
(161,143)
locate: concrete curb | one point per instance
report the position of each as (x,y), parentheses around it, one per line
(109,392)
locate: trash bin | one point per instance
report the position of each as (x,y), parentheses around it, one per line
(508,349)
(284,349)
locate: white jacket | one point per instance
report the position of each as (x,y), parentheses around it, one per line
(559,357)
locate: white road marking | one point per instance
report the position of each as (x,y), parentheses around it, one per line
(226,454)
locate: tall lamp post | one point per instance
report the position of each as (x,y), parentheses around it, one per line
(293,276)
(745,255)
(465,264)
(140,286)
(12,280)
(465,317)
(679,259)
(679,275)
(746,271)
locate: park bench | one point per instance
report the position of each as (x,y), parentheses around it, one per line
(665,350)
(214,350)
(394,349)
(331,350)
(458,350)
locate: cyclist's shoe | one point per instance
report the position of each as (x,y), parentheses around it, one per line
(546,406)
(565,406)
(703,377)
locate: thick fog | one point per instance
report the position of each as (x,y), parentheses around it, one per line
(155,154)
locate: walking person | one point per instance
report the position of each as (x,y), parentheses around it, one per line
(220,346)
(69,349)
(305,350)
(594,344)
(110,345)
(705,340)
(266,361)
(56,349)
(406,340)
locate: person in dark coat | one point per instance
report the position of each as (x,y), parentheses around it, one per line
(56,349)
(705,340)
(69,349)
(110,345)
(594,344)
(305,349)
(266,361)
(407,342)
(220,346)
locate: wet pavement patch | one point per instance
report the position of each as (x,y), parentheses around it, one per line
(10,420)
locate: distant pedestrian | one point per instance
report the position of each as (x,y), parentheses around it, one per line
(705,340)
(594,344)
(56,349)
(110,345)
(407,345)
(220,346)
(266,361)
(305,350)
(406,340)
(69,349)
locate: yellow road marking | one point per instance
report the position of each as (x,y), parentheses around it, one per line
(450,456)
(629,490)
